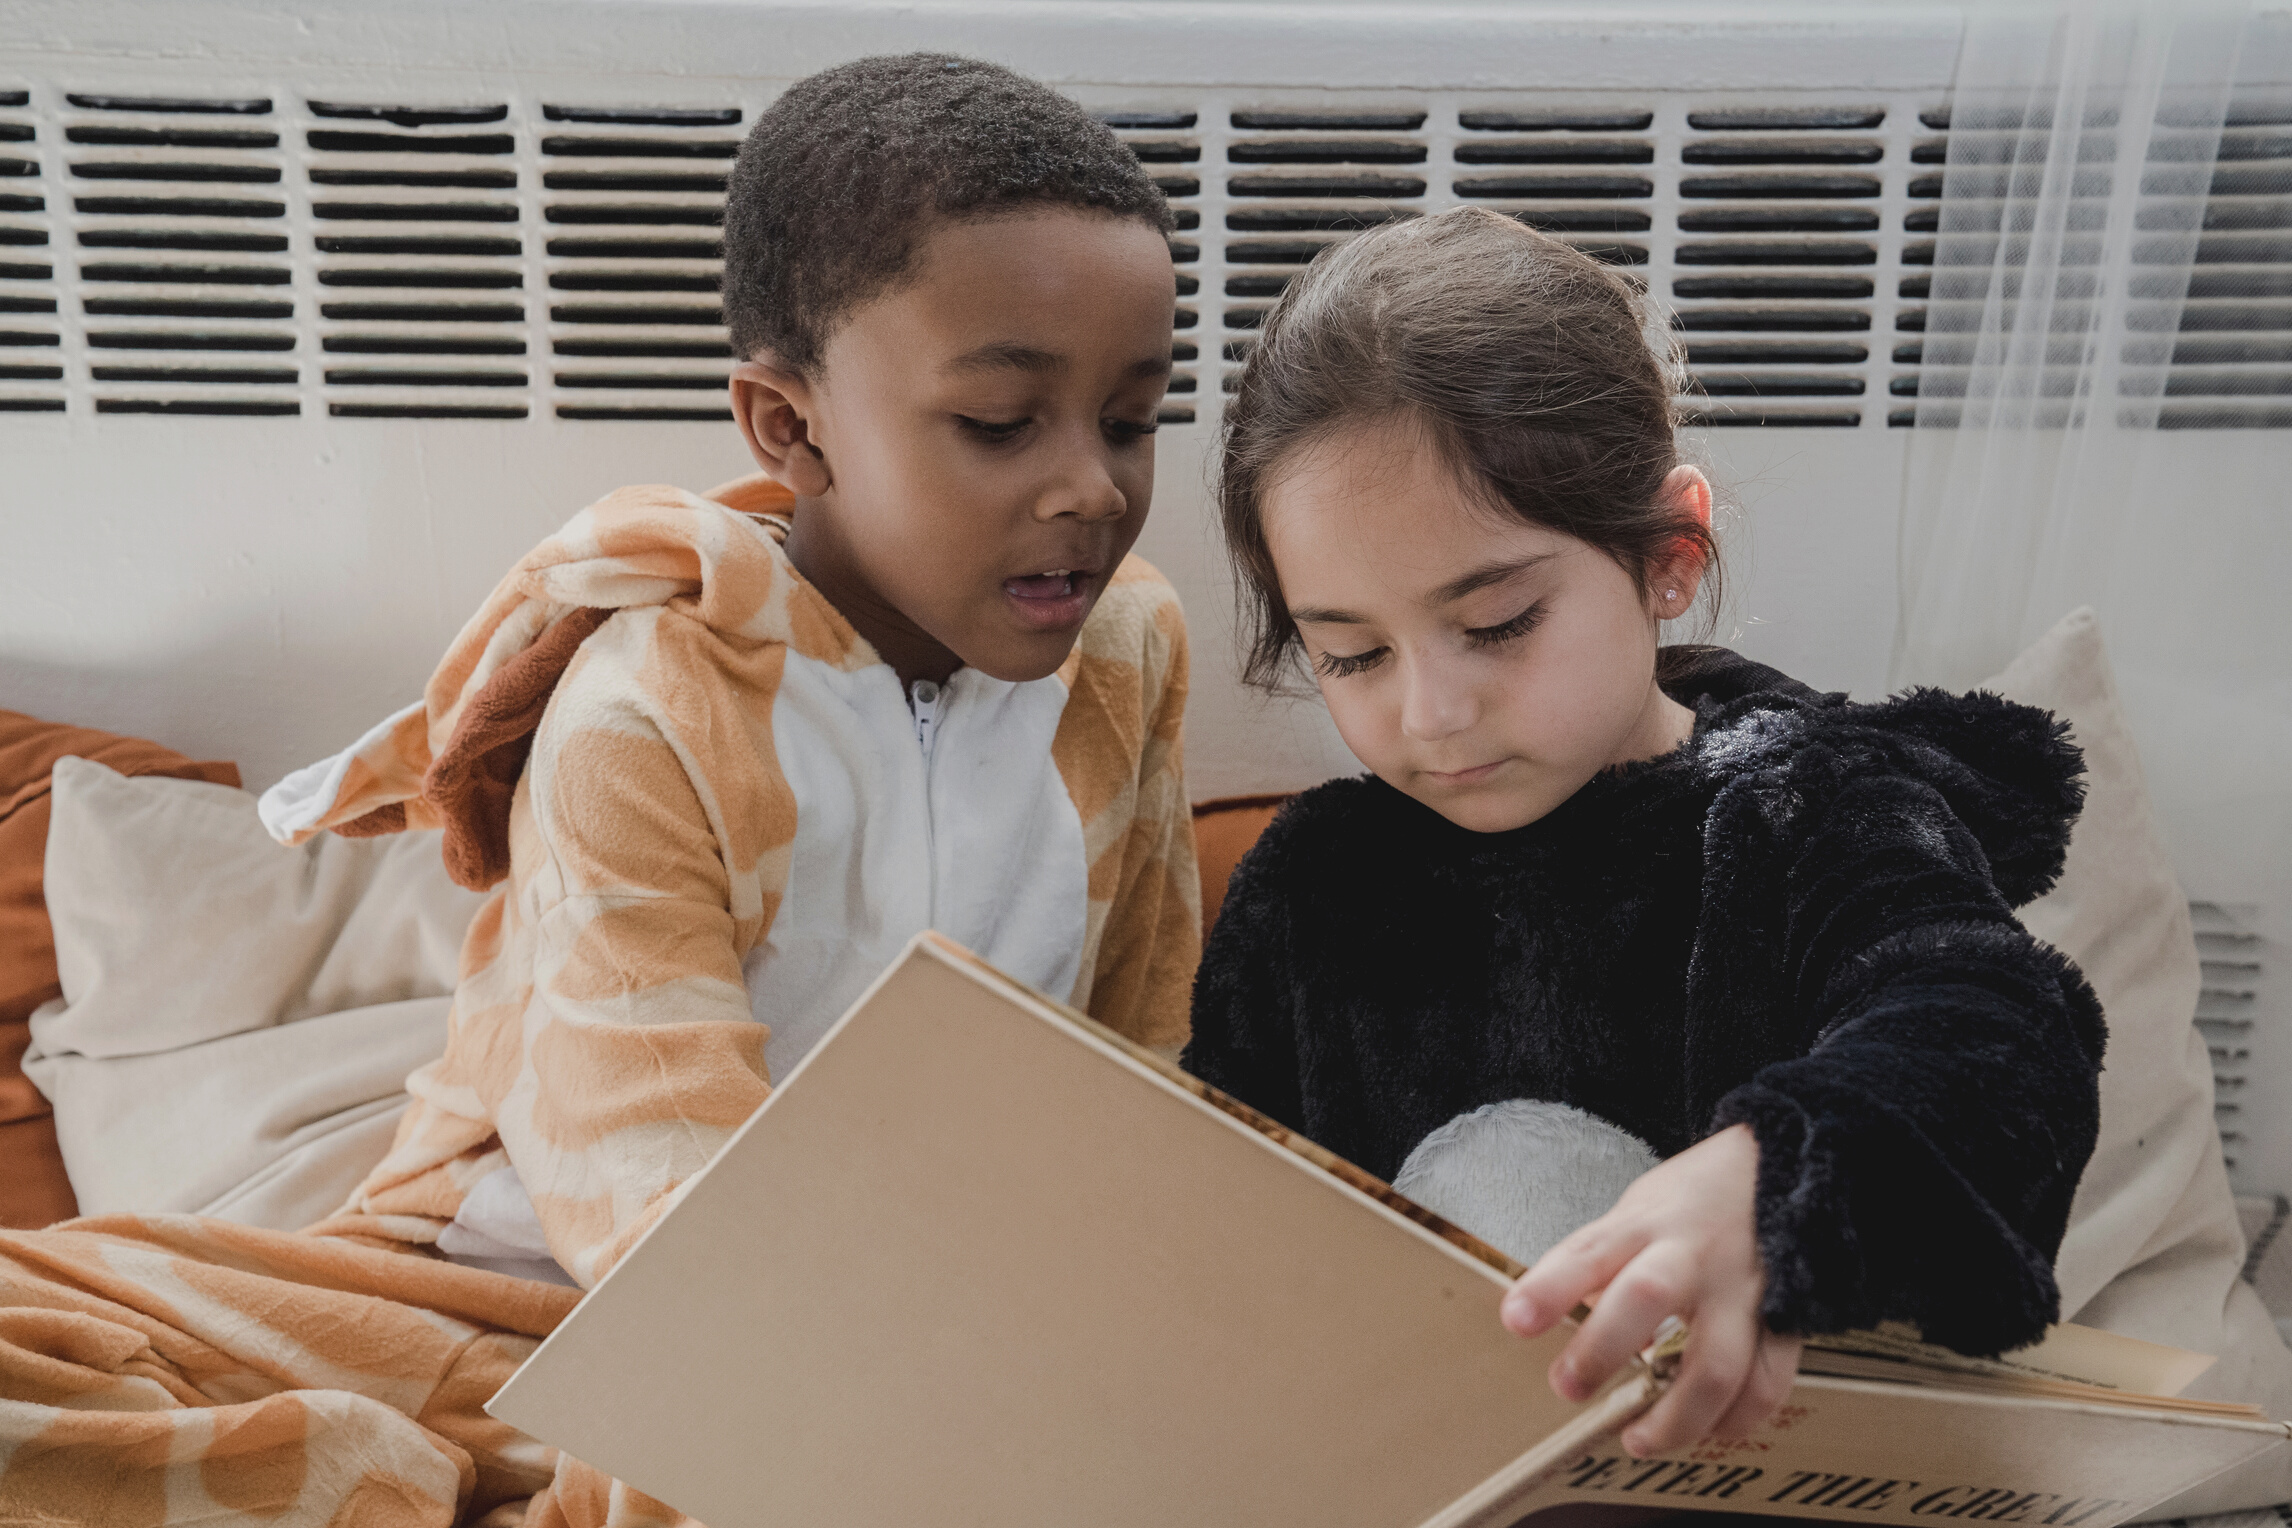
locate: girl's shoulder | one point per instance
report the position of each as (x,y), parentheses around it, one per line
(2010,773)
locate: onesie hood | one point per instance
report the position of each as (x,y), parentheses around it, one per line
(2008,771)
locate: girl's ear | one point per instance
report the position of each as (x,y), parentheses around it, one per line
(1673,582)
(775,407)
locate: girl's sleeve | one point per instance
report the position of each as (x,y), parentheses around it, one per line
(1917,1162)
(1244,1040)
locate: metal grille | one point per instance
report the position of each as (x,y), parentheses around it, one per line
(2235,1012)
(543,258)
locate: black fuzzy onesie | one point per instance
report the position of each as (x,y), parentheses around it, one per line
(1801,919)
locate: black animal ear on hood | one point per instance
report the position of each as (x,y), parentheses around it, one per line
(2018,781)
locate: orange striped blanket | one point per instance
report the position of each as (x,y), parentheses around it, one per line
(646,741)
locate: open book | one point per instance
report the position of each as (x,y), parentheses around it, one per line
(979,1261)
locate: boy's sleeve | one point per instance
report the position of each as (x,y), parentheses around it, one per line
(1244,1040)
(635,1054)
(1151,939)
(1917,1162)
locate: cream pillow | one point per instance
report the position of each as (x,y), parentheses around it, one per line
(238,1019)
(2153,1249)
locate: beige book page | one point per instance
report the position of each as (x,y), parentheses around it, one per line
(975,1264)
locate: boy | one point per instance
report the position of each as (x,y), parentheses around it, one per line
(723,757)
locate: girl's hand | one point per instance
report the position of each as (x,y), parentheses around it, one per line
(1681,1242)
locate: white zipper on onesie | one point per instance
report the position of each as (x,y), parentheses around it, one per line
(923,698)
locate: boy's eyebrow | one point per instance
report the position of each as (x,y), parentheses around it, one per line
(1029,358)
(1007,357)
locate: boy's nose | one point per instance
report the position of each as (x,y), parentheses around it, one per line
(1083,489)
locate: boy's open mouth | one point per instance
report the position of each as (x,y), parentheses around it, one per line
(1051,600)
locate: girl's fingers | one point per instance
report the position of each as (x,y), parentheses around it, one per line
(1722,1343)
(1774,1369)
(1563,1277)
(1650,1287)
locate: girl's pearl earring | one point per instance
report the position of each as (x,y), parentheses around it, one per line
(1671,594)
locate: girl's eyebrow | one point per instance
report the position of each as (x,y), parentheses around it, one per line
(1487,575)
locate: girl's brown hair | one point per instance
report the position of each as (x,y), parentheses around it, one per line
(1523,359)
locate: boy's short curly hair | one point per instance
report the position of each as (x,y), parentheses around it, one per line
(839,178)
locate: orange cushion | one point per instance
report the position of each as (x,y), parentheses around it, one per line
(1223,832)
(33,1188)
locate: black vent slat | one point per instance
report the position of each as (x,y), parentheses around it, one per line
(1558,151)
(181,238)
(1835,419)
(1395,187)
(172,137)
(1148,121)
(18,167)
(646,116)
(23,236)
(1177,185)
(1325,151)
(1780,151)
(1774,353)
(644,148)
(1267,285)
(1762,253)
(1777,220)
(425,312)
(172,105)
(1557,187)
(631,180)
(638,249)
(635,281)
(1753,384)
(239,174)
(12,271)
(1779,187)
(637,350)
(1558,120)
(1329,121)
(1273,252)
(14,373)
(1166,151)
(639,379)
(193,275)
(638,412)
(212,375)
(18,339)
(182,339)
(660,314)
(394,277)
(1309,219)
(473,180)
(410,116)
(597,211)
(195,406)
(426,410)
(15,98)
(420,344)
(1771,286)
(20,132)
(12,203)
(1776,119)
(9,304)
(177,207)
(380,376)
(416,212)
(334,141)
(180,307)
(1582,219)
(413,244)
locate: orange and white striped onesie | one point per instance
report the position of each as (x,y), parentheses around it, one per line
(711,816)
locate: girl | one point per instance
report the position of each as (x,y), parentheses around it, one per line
(1766,931)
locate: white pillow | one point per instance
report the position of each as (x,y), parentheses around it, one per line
(2154,1249)
(238,1019)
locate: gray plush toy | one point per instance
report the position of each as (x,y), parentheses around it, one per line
(1522,1174)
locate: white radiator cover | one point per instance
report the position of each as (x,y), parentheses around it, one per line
(261,586)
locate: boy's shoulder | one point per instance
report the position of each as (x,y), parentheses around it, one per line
(1137,625)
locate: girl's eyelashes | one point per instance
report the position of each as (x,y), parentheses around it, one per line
(1510,631)
(1126,430)
(1338,665)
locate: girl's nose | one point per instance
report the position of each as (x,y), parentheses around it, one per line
(1437,701)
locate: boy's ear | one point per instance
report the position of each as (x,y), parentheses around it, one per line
(1674,583)
(775,407)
